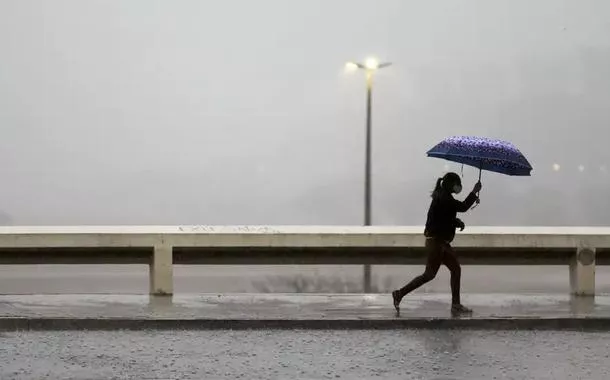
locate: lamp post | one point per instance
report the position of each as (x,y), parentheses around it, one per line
(370,66)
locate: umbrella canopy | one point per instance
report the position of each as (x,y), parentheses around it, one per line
(483,153)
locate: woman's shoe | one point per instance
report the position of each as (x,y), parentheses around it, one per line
(460,309)
(397,300)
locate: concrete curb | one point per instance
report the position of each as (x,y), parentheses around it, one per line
(108,324)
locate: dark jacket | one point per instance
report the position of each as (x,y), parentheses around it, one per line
(442,214)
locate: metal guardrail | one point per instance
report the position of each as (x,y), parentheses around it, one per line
(163,246)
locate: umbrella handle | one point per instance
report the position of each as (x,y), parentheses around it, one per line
(478,197)
(479,192)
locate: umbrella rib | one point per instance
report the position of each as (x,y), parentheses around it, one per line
(489,158)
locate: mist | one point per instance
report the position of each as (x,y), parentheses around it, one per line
(240,112)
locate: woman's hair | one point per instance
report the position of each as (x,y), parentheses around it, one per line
(436,192)
(445,184)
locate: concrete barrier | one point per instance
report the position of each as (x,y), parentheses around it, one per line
(162,246)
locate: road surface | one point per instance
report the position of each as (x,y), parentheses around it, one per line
(263,354)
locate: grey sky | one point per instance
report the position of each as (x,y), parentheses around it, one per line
(235,112)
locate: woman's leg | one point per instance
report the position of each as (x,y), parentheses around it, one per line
(451,261)
(435,259)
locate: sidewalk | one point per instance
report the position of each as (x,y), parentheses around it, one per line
(291,311)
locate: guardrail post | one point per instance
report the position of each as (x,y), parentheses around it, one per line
(582,272)
(162,271)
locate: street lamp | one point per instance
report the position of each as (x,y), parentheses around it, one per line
(370,66)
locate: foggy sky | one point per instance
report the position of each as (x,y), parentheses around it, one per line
(240,112)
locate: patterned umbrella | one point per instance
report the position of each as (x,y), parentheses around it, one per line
(483,153)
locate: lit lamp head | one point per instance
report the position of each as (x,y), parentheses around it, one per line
(370,64)
(351,67)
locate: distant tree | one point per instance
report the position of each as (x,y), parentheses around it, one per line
(316,284)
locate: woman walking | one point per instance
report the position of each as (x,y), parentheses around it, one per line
(440,230)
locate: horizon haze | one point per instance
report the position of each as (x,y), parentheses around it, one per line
(239,112)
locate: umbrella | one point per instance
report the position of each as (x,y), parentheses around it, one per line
(483,153)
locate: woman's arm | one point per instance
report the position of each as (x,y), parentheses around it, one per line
(466,204)
(470,199)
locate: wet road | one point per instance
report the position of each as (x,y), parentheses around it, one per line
(399,354)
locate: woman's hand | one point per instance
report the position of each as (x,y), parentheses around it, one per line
(477,187)
(459,224)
